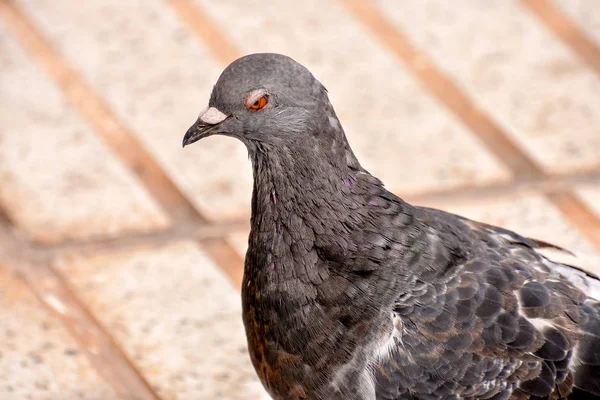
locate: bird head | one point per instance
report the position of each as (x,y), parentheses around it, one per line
(272,104)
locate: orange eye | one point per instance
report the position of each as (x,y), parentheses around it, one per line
(259,104)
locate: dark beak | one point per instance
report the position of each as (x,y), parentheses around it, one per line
(207,124)
(198,131)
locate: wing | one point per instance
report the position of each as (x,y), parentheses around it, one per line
(504,322)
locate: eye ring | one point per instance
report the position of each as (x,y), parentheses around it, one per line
(256,100)
(259,104)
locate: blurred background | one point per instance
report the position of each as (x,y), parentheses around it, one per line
(121,254)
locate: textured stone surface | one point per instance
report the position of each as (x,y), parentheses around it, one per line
(58,181)
(172,311)
(534,216)
(590,194)
(239,242)
(39,360)
(390,121)
(157,78)
(585,13)
(176,316)
(516,69)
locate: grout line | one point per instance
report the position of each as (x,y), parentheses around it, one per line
(227,258)
(49,287)
(487,130)
(544,185)
(567,30)
(178,233)
(53,290)
(209,236)
(221,230)
(5,219)
(200,23)
(211,239)
(579,214)
(105,354)
(224,50)
(125,145)
(98,114)
(444,89)
(95,111)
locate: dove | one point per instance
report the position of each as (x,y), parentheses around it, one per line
(349,292)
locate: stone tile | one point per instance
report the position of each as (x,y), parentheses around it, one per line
(590,194)
(157,77)
(177,75)
(397,130)
(176,316)
(39,360)
(584,12)
(239,242)
(517,70)
(58,180)
(533,216)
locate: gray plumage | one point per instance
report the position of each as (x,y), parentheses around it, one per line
(351,293)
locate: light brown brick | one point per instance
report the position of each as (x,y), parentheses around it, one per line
(175,314)
(157,77)
(524,77)
(533,216)
(590,194)
(57,179)
(398,131)
(38,358)
(239,242)
(586,13)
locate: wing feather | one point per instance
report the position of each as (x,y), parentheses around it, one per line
(503,322)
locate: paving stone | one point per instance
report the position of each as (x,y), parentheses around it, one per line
(586,13)
(516,69)
(157,77)
(39,360)
(239,242)
(590,194)
(58,181)
(533,216)
(398,131)
(175,314)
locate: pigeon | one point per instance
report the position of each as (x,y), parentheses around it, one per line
(349,292)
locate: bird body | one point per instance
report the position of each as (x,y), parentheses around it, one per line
(349,292)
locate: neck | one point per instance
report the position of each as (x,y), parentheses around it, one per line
(308,219)
(297,204)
